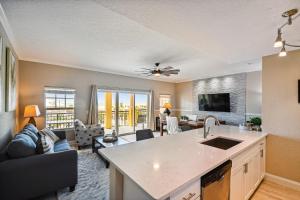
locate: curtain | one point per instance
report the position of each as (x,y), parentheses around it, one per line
(151,111)
(93,111)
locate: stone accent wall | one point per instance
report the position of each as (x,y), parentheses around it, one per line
(235,85)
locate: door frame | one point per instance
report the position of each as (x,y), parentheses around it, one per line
(132,92)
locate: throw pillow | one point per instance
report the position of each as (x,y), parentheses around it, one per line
(32,135)
(47,143)
(31,128)
(39,146)
(50,133)
(21,146)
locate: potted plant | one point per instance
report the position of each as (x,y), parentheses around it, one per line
(256,121)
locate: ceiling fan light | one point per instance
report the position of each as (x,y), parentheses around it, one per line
(157,74)
(278,42)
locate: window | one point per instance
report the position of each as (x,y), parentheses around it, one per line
(59,104)
(164,98)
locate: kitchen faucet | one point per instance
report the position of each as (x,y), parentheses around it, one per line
(206,132)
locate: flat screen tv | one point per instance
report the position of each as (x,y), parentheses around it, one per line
(214,102)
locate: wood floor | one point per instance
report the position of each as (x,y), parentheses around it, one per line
(272,191)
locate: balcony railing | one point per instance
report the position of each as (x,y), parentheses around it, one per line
(59,120)
(140,117)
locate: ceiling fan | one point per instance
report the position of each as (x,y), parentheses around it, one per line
(158,71)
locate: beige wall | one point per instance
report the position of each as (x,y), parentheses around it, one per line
(281,114)
(184,97)
(7,119)
(253,93)
(35,76)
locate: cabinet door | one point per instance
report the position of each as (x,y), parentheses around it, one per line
(252,173)
(248,177)
(256,169)
(262,161)
(237,184)
(191,192)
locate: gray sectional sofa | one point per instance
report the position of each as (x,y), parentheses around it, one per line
(34,173)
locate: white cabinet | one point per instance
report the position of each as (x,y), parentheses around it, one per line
(191,192)
(262,159)
(256,169)
(237,186)
(248,169)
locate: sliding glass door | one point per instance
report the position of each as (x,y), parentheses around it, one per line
(141,111)
(126,113)
(107,109)
(123,111)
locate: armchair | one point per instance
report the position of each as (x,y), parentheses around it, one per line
(85,133)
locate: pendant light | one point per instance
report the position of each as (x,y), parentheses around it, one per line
(279,42)
(282,52)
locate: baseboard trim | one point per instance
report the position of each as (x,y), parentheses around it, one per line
(283,181)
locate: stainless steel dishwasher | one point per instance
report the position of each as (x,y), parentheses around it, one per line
(215,185)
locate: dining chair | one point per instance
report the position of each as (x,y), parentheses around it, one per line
(172,125)
(144,134)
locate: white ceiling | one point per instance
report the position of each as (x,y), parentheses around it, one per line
(202,38)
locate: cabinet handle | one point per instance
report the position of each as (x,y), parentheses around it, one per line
(190,195)
(261,153)
(246,168)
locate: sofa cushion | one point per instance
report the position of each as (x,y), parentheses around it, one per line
(32,135)
(61,145)
(47,143)
(32,131)
(32,128)
(21,146)
(39,146)
(52,135)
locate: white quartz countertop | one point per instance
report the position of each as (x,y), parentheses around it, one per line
(161,166)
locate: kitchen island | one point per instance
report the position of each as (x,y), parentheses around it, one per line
(168,167)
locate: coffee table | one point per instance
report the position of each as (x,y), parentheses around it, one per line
(97,143)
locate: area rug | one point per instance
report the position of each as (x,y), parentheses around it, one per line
(93,179)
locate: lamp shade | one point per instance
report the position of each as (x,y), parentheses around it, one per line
(31,111)
(167,105)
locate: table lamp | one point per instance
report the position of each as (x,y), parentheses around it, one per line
(167,106)
(31,111)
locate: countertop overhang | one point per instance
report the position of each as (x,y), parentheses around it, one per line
(162,165)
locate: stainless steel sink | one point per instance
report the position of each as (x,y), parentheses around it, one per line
(221,143)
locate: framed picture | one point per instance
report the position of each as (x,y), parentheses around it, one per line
(2,70)
(11,81)
(1,44)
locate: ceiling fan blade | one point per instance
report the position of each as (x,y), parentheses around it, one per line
(146,74)
(169,72)
(174,70)
(146,68)
(143,70)
(167,68)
